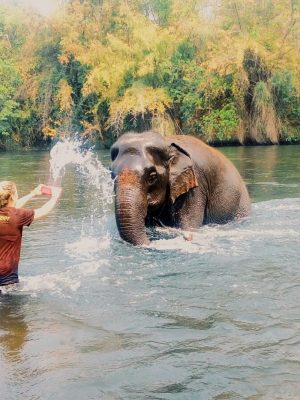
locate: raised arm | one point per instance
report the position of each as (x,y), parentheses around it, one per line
(23,200)
(47,207)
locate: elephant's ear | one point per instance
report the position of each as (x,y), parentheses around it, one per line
(182,173)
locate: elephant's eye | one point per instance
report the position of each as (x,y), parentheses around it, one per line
(152,178)
(114,153)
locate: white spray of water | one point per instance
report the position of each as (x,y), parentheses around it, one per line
(87,247)
(70,152)
(93,238)
(62,283)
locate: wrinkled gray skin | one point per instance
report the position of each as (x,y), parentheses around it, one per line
(176,181)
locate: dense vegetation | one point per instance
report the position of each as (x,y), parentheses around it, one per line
(224,70)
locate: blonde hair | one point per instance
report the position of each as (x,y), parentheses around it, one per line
(7,190)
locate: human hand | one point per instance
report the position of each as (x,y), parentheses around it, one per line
(46,190)
(37,191)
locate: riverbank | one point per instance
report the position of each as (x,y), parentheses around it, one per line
(106,144)
(225,78)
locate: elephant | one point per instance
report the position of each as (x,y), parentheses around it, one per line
(174,181)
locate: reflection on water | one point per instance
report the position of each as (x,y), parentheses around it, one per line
(270,171)
(14,329)
(213,318)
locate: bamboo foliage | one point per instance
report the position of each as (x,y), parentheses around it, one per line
(137,102)
(64,96)
(263,122)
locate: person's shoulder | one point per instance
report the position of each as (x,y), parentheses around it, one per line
(24,211)
(9,211)
(24,215)
(19,211)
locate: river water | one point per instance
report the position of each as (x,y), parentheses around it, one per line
(214,318)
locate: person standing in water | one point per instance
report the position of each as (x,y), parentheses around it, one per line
(13,217)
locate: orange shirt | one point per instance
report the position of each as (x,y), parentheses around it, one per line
(12,221)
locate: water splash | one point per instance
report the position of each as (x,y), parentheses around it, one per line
(88,247)
(70,152)
(89,242)
(242,238)
(61,283)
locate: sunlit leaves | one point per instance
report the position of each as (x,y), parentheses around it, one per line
(264,123)
(137,102)
(64,95)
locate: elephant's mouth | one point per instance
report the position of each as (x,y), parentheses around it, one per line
(153,204)
(156,198)
(159,215)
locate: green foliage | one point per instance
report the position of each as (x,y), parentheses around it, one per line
(287,103)
(9,107)
(287,100)
(186,51)
(221,125)
(182,80)
(290,134)
(157,10)
(224,71)
(201,99)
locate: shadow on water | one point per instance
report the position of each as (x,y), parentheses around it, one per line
(185,322)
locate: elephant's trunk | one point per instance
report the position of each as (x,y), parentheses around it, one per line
(131,208)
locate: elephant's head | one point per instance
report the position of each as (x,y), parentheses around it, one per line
(149,173)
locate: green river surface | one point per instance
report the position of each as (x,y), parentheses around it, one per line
(214,318)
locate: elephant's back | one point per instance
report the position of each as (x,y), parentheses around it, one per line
(210,162)
(222,177)
(204,155)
